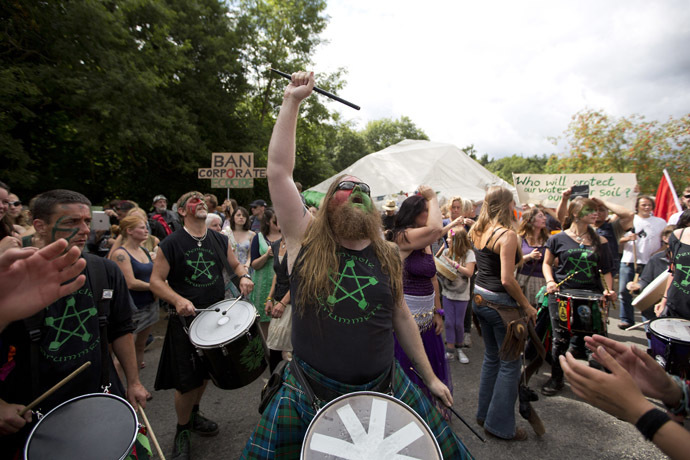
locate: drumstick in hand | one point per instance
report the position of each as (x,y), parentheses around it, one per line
(567,278)
(55,387)
(150,430)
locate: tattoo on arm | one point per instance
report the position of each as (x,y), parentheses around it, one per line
(120,258)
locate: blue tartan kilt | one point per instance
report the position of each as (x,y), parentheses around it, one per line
(284,423)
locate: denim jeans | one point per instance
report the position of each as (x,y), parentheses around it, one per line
(498,385)
(626,274)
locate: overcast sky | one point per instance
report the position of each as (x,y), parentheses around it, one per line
(505,75)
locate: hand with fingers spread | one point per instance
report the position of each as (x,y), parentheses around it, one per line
(615,393)
(31,279)
(649,376)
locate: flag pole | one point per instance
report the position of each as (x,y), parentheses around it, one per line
(673,190)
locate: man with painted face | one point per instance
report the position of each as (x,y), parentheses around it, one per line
(346,284)
(37,353)
(191,263)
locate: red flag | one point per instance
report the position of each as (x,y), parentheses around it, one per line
(667,202)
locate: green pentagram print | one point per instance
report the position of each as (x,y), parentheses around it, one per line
(685,269)
(201,267)
(339,292)
(63,335)
(253,354)
(582,265)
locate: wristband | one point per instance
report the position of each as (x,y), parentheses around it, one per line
(269,298)
(439,311)
(682,407)
(551,281)
(650,423)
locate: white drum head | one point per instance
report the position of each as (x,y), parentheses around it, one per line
(652,293)
(207,331)
(368,425)
(672,328)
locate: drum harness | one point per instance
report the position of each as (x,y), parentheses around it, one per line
(98,281)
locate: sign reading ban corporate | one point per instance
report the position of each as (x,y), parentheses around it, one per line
(232,170)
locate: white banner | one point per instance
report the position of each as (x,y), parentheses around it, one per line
(547,189)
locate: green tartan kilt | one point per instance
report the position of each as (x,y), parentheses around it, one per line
(283,425)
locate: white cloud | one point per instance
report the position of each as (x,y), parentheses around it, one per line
(505,75)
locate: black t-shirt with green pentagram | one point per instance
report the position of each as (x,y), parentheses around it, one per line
(679,292)
(585,260)
(70,336)
(349,337)
(196,272)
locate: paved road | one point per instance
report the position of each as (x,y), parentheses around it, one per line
(575,430)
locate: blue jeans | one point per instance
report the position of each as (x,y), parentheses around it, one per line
(498,385)
(626,274)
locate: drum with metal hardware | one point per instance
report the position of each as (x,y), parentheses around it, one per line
(230,342)
(581,311)
(96,425)
(669,340)
(368,425)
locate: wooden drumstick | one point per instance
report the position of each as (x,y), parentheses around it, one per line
(153,436)
(55,387)
(639,325)
(567,278)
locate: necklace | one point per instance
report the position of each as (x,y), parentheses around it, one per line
(580,237)
(196,238)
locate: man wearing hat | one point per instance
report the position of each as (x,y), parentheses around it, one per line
(257,208)
(388,215)
(168,220)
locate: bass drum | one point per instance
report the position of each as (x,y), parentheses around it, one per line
(369,425)
(96,425)
(231,345)
(669,340)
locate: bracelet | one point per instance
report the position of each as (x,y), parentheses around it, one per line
(439,311)
(650,423)
(269,298)
(551,281)
(682,407)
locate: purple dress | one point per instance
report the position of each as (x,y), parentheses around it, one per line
(418,270)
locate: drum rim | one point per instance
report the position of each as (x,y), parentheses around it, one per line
(84,396)
(661,335)
(374,394)
(236,337)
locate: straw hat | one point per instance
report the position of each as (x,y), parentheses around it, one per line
(390,206)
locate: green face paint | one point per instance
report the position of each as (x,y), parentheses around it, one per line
(366,203)
(586,211)
(56,229)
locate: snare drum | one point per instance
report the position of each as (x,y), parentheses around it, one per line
(670,344)
(580,311)
(231,345)
(368,425)
(96,425)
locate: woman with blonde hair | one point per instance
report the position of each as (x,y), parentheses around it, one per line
(136,265)
(497,251)
(533,234)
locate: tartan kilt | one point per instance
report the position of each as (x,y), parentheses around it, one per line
(284,423)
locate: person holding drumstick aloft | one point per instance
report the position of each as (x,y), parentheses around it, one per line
(582,256)
(190,262)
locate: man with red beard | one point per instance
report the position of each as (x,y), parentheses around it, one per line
(346,284)
(193,268)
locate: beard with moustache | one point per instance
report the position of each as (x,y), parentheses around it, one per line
(354,219)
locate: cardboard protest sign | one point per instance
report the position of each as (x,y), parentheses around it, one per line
(232,170)
(547,189)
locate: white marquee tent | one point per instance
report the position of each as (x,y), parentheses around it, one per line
(400,168)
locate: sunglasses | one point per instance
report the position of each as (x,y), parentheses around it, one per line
(19,203)
(350,185)
(686,196)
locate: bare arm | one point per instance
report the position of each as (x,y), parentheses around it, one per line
(407,332)
(122,261)
(562,210)
(161,289)
(507,250)
(625,215)
(123,347)
(547,270)
(290,210)
(421,237)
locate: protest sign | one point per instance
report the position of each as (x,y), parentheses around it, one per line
(232,170)
(547,189)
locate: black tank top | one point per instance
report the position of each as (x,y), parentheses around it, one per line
(489,264)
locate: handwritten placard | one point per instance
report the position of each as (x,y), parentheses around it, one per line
(547,189)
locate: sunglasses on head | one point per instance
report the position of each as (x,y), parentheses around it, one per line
(350,185)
